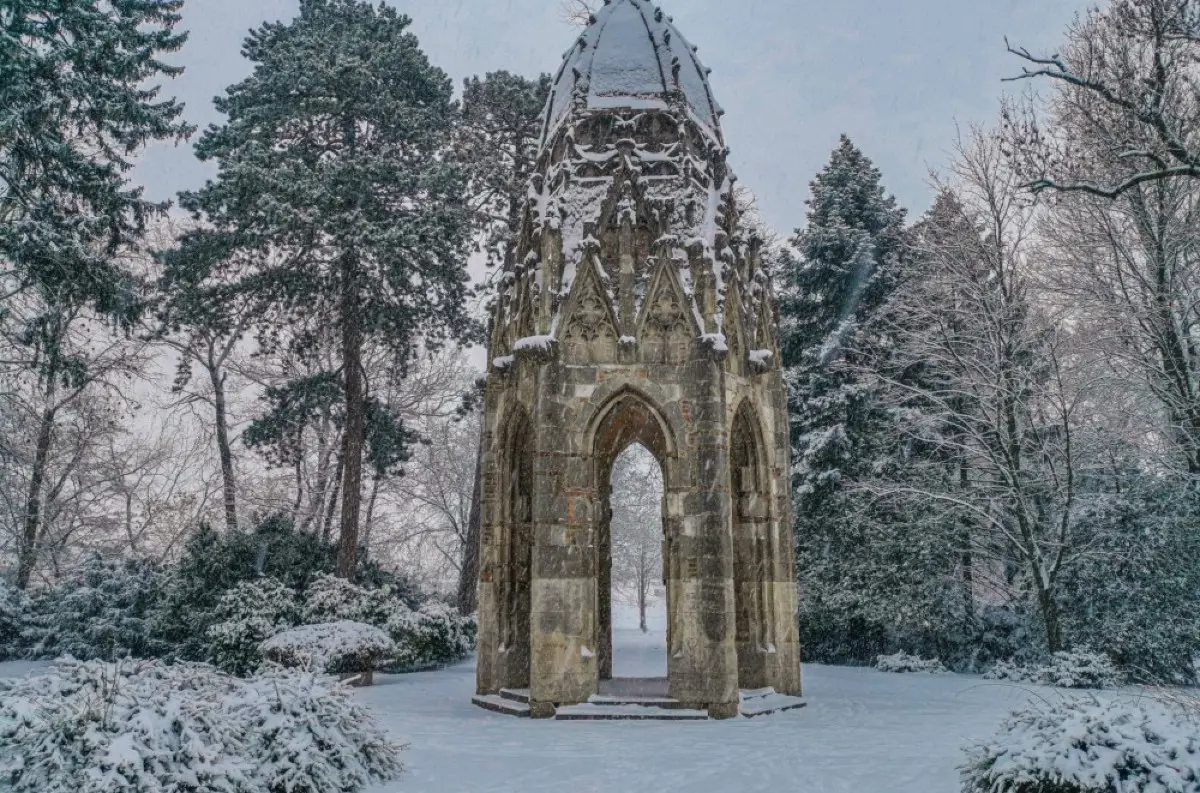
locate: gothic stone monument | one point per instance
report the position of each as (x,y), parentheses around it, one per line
(637,310)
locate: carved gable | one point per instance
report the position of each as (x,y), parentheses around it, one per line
(667,334)
(590,333)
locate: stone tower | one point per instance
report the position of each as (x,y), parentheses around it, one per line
(637,310)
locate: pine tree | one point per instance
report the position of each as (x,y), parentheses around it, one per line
(77,101)
(335,205)
(502,120)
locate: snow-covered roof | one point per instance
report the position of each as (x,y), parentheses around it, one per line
(631,56)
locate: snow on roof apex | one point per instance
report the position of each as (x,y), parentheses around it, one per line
(631,55)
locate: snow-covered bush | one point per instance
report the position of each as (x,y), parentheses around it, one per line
(1079,668)
(433,635)
(337,647)
(1083,746)
(14,617)
(903,662)
(146,727)
(105,611)
(330,598)
(246,616)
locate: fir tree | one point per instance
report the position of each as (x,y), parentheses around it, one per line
(847,262)
(335,205)
(77,101)
(851,255)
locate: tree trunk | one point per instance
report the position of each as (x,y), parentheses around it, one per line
(327,526)
(643,581)
(228,485)
(356,419)
(1049,608)
(27,556)
(468,574)
(369,523)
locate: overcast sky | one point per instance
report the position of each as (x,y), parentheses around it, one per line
(791,74)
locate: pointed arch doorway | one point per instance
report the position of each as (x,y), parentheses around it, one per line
(637,585)
(630,423)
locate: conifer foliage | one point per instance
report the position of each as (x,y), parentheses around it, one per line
(77,101)
(851,253)
(846,263)
(334,205)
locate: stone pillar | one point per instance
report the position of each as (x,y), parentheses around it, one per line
(785,674)
(704,669)
(564,655)
(489,672)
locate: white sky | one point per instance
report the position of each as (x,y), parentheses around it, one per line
(791,74)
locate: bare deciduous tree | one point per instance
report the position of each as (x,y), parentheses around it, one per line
(1126,105)
(981,377)
(637,531)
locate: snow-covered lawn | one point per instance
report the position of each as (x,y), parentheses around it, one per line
(863,730)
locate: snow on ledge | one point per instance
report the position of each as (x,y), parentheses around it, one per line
(544,343)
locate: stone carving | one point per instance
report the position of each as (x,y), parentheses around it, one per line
(591,336)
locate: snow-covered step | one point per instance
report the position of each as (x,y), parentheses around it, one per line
(499,704)
(770,703)
(755,693)
(593,712)
(646,701)
(516,694)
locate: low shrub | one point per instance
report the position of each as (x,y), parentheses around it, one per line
(334,647)
(148,727)
(246,616)
(433,635)
(903,662)
(104,612)
(1084,746)
(14,616)
(1079,668)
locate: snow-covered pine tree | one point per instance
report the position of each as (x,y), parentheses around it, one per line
(847,261)
(334,205)
(77,100)
(501,124)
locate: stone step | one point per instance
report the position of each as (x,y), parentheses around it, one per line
(755,693)
(770,703)
(594,712)
(499,704)
(607,700)
(516,694)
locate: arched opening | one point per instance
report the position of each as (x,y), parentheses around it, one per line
(628,422)
(517,551)
(752,551)
(638,585)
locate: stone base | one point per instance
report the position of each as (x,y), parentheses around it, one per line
(635,699)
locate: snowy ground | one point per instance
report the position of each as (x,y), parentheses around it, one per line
(862,731)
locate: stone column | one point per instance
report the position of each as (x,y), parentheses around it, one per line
(489,669)
(564,658)
(704,668)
